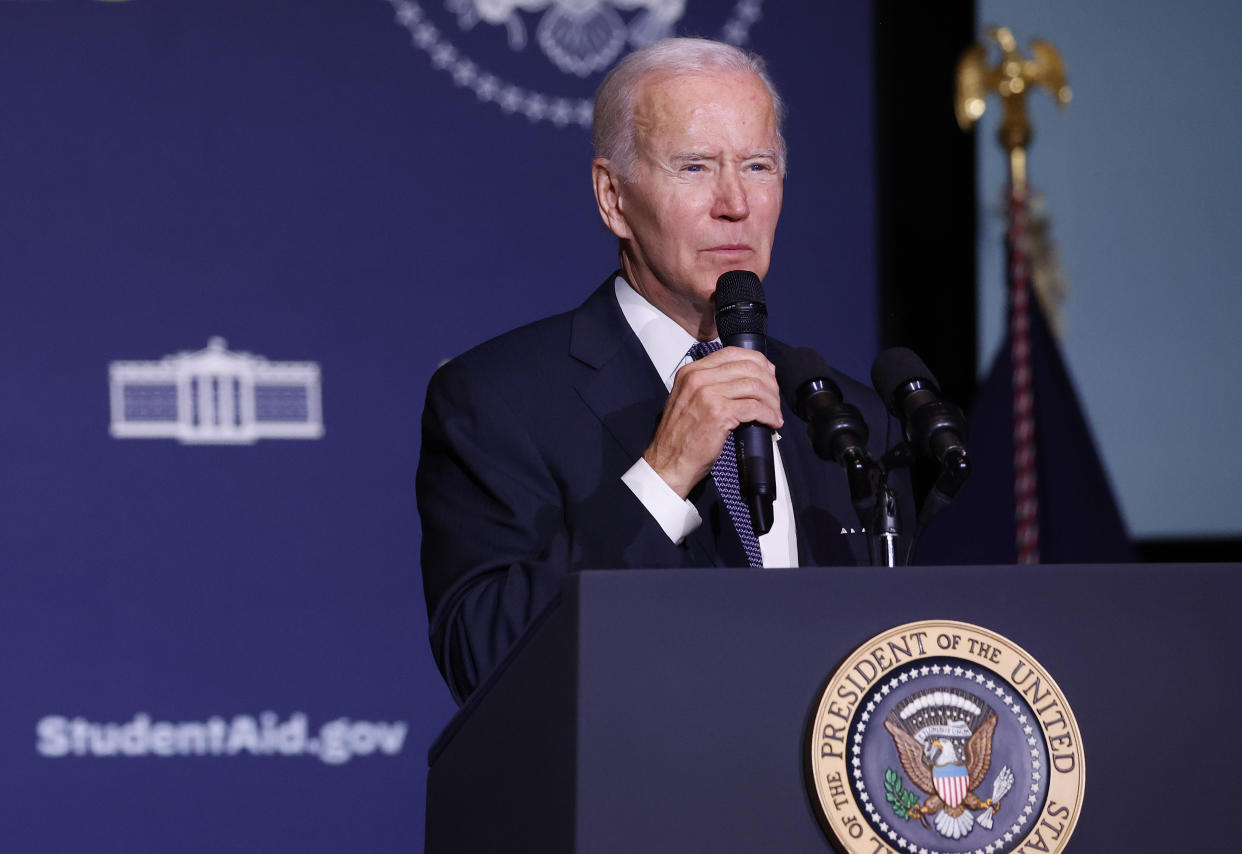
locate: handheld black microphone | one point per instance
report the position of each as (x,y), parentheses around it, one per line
(742,321)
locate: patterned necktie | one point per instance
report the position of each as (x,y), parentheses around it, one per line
(724,473)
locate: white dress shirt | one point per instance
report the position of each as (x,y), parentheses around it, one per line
(667,345)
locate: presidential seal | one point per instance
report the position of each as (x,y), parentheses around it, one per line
(941,737)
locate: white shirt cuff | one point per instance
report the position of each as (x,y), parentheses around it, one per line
(675,515)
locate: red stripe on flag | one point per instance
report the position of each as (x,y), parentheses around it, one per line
(1026,503)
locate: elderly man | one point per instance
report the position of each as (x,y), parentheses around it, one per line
(590,439)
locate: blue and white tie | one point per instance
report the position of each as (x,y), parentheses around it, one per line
(724,473)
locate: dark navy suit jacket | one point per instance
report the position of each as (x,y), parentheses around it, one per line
(525,439)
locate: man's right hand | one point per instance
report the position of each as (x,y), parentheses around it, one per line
(710,398)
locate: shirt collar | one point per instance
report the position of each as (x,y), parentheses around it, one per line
(665,342)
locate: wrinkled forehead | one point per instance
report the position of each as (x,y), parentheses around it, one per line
(667,101)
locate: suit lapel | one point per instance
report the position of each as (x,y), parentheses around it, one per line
(822,502)
(808,477)
(797,468)
(626,393)
(622,389)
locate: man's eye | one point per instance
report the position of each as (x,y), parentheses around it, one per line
(692,167)
(760,167)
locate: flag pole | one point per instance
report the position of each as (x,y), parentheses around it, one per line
(1011,78)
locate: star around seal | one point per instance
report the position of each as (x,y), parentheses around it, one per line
(941,737)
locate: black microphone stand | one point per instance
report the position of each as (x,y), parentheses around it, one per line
(884,520)
(953,473)
(839,434)
(876,505)
(885,526)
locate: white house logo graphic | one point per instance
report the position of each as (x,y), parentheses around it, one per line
(215,396)
(578,38)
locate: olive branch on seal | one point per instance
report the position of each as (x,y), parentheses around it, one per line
(897,794)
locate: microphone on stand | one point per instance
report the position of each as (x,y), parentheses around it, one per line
(837,430)
(935,427)
(742,321)
(839,434)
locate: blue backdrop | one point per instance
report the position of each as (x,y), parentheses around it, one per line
(214,638)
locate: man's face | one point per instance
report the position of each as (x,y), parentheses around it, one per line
(706,193)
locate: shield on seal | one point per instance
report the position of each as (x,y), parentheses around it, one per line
(952,783)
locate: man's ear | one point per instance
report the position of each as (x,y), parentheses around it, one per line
(608,188)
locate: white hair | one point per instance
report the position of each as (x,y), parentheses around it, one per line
(613,133)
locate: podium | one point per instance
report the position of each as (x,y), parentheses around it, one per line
(668,710)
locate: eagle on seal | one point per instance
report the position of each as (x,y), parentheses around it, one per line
(930,757)
(579,36)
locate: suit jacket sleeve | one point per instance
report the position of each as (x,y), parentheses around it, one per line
(517,484)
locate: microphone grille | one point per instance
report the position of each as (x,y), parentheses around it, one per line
(740,304)
(893,369)
(738,286)
(797,366)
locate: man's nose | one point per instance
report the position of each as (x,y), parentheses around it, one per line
(731,202)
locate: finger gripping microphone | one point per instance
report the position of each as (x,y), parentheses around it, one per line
(742,321)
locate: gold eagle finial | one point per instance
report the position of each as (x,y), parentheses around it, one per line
(1010,78)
